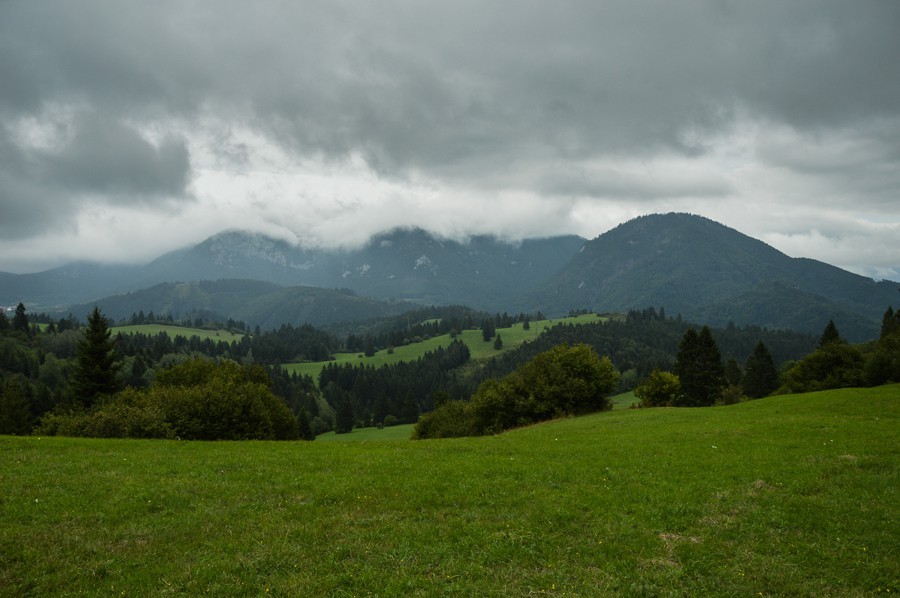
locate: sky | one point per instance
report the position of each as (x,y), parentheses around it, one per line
(132,128)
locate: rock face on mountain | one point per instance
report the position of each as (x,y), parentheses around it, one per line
(713,274)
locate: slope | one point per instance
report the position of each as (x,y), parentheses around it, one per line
(711,273)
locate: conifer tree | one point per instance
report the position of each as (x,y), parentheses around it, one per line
(760,375)
(97,362)
(20,320)
(830,335)
(699,368)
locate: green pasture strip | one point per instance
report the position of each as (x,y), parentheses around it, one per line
(173,331)
(624,400)
(786,496)
(478,347)
(399,432)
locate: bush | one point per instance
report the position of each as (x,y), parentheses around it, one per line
(449,420)
(660,389)
(197,400)
(560,382)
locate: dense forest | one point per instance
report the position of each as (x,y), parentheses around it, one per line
(46,366)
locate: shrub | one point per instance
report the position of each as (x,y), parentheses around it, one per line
(449,420)
(660,389)
(197,400)
(562,381)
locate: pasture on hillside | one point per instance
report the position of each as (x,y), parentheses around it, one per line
(478,348)
(173,331)
(790,495)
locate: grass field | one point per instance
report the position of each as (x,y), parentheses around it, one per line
(173,331)
(792,495)
(478,348)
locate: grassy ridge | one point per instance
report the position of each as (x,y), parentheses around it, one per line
(788,495)
(479,348)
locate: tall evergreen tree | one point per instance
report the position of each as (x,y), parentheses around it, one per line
(698,366)
(20,320)
(760,374)
(890,322)
(97,362)
(830,335)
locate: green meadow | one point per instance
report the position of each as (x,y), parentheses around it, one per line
(478,348)
(173,331)
(791,495)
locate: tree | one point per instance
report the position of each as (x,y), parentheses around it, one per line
(20,320)
(661,389)
(498,343)
(760,374)
(487,329)
(343,423)
(15,408)
(97,362)
(698,366)
(830,335)
(304,426)
(890,322)
(733,374)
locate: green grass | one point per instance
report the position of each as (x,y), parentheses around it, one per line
(478,347)
(400,432)
(792,495)
(173,331)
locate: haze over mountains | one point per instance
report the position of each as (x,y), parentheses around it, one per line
(687,264)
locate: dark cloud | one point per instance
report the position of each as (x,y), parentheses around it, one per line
(541,97)
(107,157)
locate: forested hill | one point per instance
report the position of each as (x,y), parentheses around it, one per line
(711,273)
(256,303)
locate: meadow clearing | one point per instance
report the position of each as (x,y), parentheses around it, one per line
(789,495)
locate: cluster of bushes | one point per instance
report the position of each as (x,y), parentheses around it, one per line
(197,400)
(566,380)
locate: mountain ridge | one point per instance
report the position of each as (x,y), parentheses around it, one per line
(688,264)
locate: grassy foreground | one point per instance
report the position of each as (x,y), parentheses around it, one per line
(792,495)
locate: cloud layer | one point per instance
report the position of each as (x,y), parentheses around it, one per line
(325,122)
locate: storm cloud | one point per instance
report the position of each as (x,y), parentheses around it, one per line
(325,121)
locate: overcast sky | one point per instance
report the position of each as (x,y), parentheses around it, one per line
(130,128)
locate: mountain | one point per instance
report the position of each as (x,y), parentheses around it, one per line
(688,264)
(410,264)
(254,302)
(710,273)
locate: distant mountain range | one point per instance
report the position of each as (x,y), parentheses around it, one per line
(688,264)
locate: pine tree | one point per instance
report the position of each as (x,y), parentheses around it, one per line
(498,343)
(97,363)
(698,366)
(830,335)
(20,320)
(760,377)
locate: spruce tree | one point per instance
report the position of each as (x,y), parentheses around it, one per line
(20,320)
(97,362)
(760,374)
(830,335)
(698,366)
